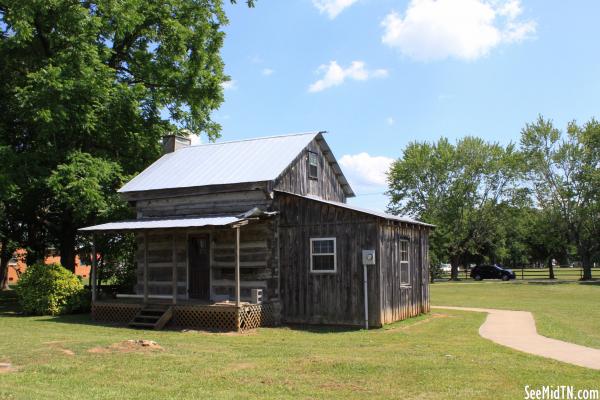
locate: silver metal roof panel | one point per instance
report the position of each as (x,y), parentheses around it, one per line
(162,224)
(252,160)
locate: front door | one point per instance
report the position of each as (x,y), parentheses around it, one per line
(199,267)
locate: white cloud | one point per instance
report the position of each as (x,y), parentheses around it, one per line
(365,172)
(463,29)
(267,71)
(332,7)
(335,75)
(229,85)
(390,121)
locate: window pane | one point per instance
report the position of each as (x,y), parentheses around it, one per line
(313,165)
(404,278)
(403,250)
(322,246)
(323,263)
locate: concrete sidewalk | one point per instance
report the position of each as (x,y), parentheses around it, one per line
(516,329)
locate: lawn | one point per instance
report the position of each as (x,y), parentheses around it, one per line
(431,357)
(569,312)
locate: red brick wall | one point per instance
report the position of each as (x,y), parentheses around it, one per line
(81,270)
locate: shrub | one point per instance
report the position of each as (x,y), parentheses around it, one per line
(51,290)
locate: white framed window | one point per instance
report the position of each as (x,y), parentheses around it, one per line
(404,264)
(323,257)
(313,165)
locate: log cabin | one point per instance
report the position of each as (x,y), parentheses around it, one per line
(236,235)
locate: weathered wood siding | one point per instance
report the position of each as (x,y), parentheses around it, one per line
(160,263)
(295,177)
(325,298)
(259,267)
(397,301)
(258,261)
(234,202)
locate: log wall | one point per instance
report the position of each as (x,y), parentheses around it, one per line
(259,267)
(160,263)
(198,205)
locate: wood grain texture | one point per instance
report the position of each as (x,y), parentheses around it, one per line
(295,177)
(338,298)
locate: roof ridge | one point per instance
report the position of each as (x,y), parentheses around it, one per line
(253,139)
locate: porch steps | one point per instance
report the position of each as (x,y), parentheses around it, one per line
(152,316)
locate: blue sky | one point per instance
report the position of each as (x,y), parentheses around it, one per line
(378,74)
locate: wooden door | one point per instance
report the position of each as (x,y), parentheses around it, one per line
(199,267)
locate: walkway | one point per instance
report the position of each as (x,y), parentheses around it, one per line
(516,329)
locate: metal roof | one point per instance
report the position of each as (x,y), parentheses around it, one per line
(360,209)
(162,224)
(252,160)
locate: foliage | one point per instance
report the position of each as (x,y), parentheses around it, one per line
(457,188)
(95,84)
(51,290)
(515,206)
(563,169)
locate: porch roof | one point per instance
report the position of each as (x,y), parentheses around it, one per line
(136,225)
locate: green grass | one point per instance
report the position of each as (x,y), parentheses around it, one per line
(431,357)
(569,312)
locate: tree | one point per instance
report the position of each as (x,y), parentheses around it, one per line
(457,188)
(83,192)
(563,170)
(105,78)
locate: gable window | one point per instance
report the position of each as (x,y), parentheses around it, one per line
(323,255)
(404,264)
(313,165)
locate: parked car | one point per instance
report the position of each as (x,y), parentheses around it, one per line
(480,272)
(445,268)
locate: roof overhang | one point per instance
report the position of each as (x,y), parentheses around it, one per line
(335,165)
(178,223)
(172,223)
(373,213)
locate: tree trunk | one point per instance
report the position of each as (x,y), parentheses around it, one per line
(550,269)
(454,268)
(4,259)
(67,251)
(586,264)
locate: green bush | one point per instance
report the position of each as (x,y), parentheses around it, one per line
(51,290)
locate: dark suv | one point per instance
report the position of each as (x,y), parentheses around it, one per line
(491,272)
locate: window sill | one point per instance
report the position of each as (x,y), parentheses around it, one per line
(323,272)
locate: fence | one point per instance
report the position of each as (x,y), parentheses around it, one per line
(560,273)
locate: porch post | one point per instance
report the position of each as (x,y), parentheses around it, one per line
(174,270)
(237,266)
(145,267)
(93,275)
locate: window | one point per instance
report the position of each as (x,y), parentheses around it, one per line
(322,255)
(404,265)
(313,165)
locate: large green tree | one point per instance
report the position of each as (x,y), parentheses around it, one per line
(563,170)
(99,80)
(458,188)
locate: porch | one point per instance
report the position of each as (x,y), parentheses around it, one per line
(197,273)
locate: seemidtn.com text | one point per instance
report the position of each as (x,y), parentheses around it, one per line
(560,392)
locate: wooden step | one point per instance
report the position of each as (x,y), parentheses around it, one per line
(152,317)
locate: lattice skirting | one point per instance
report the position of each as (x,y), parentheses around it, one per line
(115,312)
(215,317)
